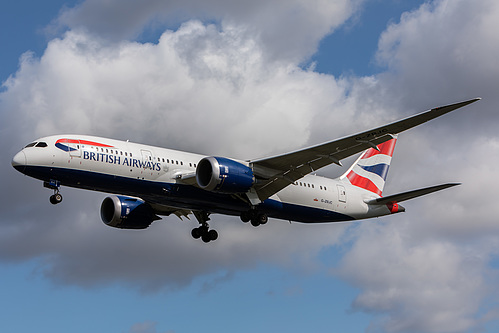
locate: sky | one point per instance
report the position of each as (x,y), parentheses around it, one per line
(248,80)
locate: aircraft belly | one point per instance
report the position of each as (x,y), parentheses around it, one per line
(171,194)
(308,205)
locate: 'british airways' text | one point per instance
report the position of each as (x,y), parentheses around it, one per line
(120,160)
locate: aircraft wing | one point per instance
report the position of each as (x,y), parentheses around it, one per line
(275,173)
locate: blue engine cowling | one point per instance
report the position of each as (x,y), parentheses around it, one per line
(223,175)
(126,213)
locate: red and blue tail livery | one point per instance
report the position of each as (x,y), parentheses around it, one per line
(370,170)
(147,182)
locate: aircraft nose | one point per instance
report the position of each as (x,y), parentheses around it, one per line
(19,161)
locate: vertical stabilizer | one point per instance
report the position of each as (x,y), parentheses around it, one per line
(370,170)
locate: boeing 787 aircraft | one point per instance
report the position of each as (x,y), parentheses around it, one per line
(149,181)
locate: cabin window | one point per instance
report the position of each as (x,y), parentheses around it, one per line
(130,154)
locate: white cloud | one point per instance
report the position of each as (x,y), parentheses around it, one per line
(421,285)
(287,29)
(84,85)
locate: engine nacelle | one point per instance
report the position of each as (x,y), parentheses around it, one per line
(223,175)
(126,213)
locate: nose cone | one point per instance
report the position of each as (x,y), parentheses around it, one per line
(19,161)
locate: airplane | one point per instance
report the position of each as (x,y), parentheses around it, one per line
(148,181)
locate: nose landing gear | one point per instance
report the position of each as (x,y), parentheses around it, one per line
(54,185)
(55,198)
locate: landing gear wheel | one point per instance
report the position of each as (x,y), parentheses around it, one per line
(206,238)
(255,222)
(263,218)
(196,234)
(259,220)
(245,217)
(55,199)
(209,235)
(213,234)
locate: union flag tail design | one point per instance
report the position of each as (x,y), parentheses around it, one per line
(370,170)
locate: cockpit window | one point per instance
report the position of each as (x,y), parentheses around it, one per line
(30,145)
(41,145)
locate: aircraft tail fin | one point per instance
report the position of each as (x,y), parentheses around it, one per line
(371,168)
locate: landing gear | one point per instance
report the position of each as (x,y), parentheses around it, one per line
(205,234)
(54,185)
(203,231)
(255,217)
(55,198)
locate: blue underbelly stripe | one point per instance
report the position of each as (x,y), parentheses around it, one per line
(181,196)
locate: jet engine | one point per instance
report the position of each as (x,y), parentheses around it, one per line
(223,175)
(127,213)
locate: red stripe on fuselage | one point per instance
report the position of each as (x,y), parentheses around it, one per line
(363,182)
(84,142)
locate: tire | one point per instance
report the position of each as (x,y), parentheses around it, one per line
(255,222)
(58,197)
(213,234)
(195,233)
(55,198)
(206,237)
(245,217)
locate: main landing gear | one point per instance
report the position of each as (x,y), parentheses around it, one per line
(255,217)
(203,231)
(54,185)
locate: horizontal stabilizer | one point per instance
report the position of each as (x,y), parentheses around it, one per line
(409,195)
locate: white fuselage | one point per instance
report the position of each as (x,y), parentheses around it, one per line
(161,177)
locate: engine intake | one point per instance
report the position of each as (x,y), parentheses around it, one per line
(223,175)
(127,213)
